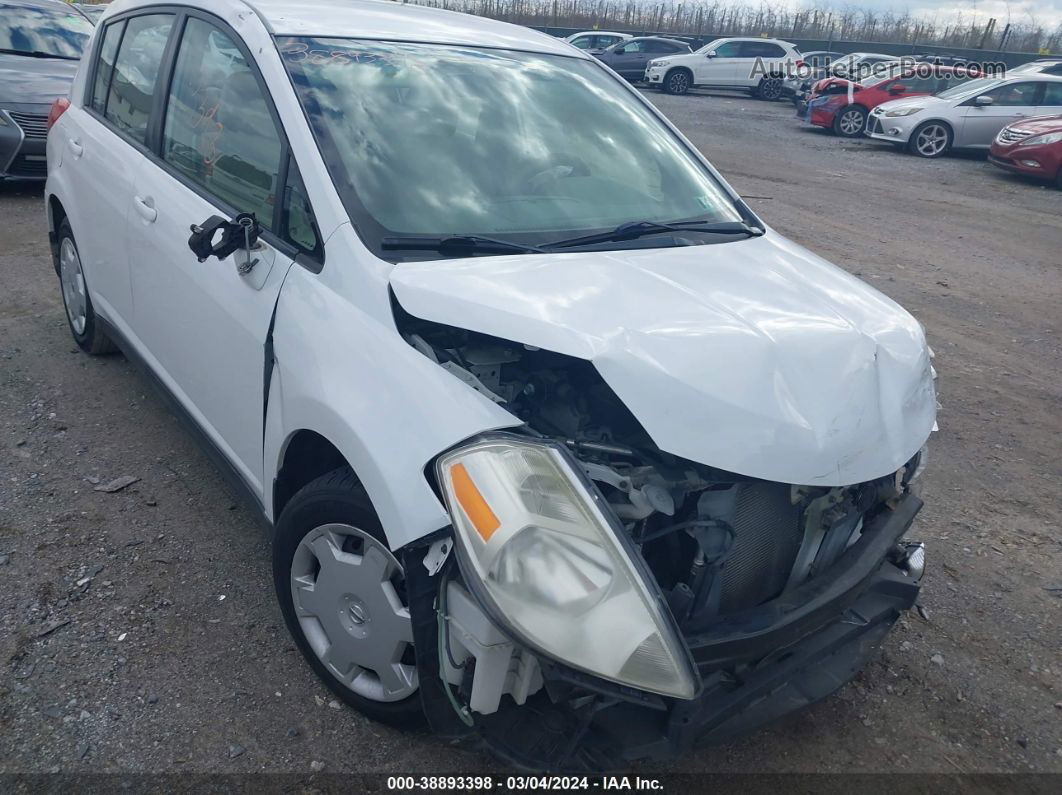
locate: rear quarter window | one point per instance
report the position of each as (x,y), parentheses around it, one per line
(136,71)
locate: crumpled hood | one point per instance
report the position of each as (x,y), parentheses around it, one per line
(28,80)
(755,356)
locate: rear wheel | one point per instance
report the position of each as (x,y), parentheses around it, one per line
(770,89)
(930,139)
(342,593)
(80,315)
(677,81)
(850,121)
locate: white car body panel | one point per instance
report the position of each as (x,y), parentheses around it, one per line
(756,357)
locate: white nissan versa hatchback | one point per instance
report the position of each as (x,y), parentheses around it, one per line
(558,442)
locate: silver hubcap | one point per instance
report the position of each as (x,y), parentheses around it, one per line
(932,140)
(343,588)
(73,282)
(851,122)
(679,83)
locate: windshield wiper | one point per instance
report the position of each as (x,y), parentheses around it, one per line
(457,245)
(635,229)
(39,54)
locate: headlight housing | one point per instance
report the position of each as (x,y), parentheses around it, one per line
(659,62)
(537,547)
(1042,140)
(903,112)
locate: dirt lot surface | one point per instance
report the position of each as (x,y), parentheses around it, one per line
(138,629)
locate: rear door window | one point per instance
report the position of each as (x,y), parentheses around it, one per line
(136,71)
(219,131)
(105,65)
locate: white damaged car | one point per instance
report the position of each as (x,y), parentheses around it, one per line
(558,442)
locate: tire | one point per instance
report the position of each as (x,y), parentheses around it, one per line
(931,131)
(850,121)
(352,619)
(80,314)
(769,89)
(677,81)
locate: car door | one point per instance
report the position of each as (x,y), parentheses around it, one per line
(104,149)
(1050,102)
(1010,102)
(757,58)
(628,58)
(205,324)
(719,66)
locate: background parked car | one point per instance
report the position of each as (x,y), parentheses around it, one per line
(630,56)
(41,42)
(1032,147)
(91,10)
(833,106)
(727,63)
(969,115)
(594,41)
(846,66)
(1043,66)
(816,61)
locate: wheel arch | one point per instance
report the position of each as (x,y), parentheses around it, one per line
(56,214)
(679,68)
(304,457)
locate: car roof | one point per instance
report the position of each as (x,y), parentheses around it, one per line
(388,21)
(35,3)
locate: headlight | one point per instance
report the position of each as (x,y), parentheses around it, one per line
(903,111)
(548,561)
(1041,140)
(660,62)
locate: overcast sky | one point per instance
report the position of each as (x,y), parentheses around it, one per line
(1047,13)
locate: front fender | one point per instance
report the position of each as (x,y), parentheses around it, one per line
(350,377)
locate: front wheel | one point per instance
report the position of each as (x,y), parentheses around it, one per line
(344,601)
(677,82)
(850,122)
(930,139)
(770,89)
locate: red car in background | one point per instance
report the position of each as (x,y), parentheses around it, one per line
(843,106)
(1031,146)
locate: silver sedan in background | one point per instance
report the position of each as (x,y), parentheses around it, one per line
(969,115)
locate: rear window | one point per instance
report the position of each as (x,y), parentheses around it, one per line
(43,31)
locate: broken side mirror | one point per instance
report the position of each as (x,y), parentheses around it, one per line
(217,237)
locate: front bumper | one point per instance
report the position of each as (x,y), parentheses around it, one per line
(894,129)
(755,666)
(1019,160)
(655,75)
(23,142)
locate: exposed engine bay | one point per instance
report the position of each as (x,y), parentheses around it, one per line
(717,542)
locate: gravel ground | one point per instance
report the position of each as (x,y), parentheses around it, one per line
(138,630)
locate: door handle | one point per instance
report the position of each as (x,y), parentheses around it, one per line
(146,208)
(76,149)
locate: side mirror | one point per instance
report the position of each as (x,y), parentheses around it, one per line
(217,237)
(619,51)
(984,100)
(711,54)
(899,88)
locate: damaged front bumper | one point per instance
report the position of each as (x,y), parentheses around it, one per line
(755,666)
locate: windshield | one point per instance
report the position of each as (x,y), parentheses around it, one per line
(439,140)
(43,31)
(969,89)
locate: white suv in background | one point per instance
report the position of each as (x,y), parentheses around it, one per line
(756,65)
